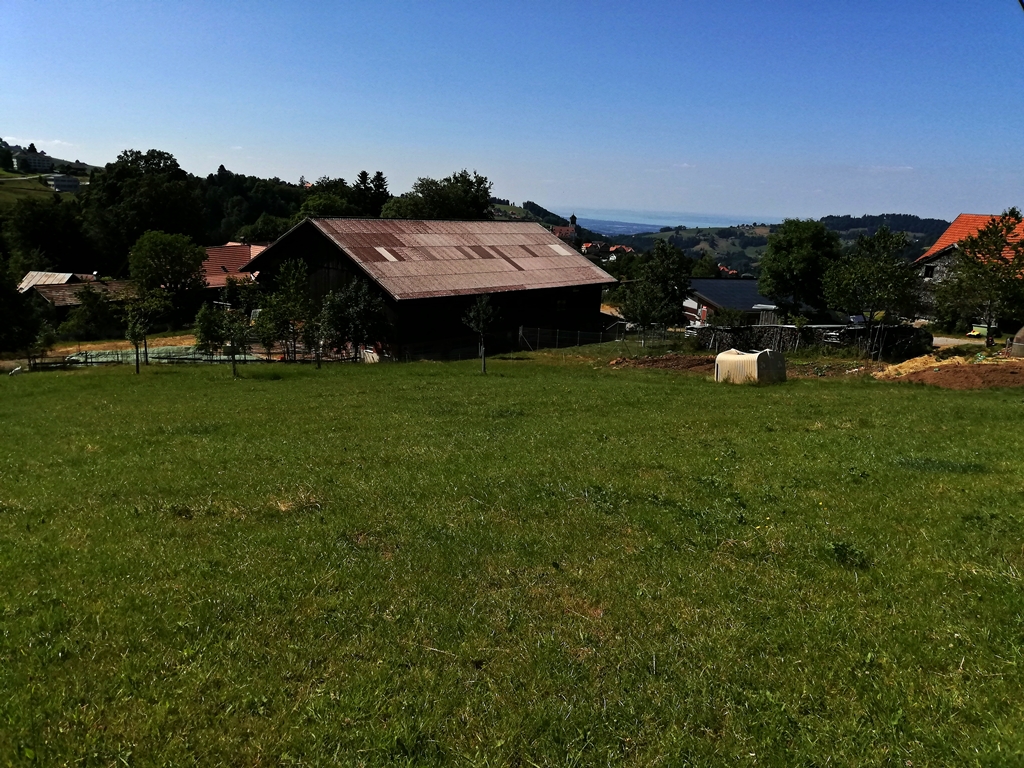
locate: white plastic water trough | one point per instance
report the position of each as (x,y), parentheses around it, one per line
(767,366)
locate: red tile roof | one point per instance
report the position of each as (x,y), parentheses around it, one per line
(420,259)
(224,260)
(964,225)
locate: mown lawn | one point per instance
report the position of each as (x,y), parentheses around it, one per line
(553,564)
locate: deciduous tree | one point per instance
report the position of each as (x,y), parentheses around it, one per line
(93,319)
(172,263)
(19,322)
(875,280)
(658,294)
(793,266)
(460,196)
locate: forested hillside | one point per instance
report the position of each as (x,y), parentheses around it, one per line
(740,247)
(141,191)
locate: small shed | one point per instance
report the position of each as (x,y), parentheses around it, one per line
(767,366)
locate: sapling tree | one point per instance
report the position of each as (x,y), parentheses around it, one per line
(642,305)
(135,329)
(354,315)
(267,327)
(364,313)
(209,329)
(480,317)
(290,305)
(236,333)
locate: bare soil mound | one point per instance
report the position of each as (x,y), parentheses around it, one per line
(673,362)
(958,372)
(980,376)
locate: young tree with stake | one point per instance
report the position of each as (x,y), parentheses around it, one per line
(479,318)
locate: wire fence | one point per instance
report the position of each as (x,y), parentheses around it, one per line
(454,348)
(554,338)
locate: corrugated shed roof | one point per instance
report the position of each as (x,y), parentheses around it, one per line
(732,294)
(50,278)
(964,225)
(421,259)
(224,260)
(66,295)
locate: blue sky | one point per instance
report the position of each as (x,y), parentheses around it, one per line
(753,110)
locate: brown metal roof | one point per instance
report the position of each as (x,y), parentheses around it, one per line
(66,295)
(421,259)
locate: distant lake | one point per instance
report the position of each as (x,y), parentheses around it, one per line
(625,222)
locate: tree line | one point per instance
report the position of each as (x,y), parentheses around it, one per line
(143,217)
(286,318)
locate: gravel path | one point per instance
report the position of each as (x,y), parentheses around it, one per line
(946,341)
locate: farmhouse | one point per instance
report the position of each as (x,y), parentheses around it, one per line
(224,261)
(708,295)
(936,261)
(430,272)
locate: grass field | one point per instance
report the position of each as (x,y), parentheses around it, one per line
(14,189)
(558,563)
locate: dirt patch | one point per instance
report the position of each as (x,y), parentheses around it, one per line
(831,369)
(673,362)
(977,372)
(186,340)
(978,376)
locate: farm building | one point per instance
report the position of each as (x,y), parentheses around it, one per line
(63,297)
(34,278)
(430,272)
(934,262)
(224,261)
(707,295)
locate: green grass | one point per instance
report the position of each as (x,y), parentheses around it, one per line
(553,564)
(14,189)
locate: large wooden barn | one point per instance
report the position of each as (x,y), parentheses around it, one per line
(430,272)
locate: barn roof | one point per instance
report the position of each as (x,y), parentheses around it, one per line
(731,294)
(50,278)
(227,260)
(66,295)
(420,259)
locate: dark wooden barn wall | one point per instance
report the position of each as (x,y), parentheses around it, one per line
(424,320)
